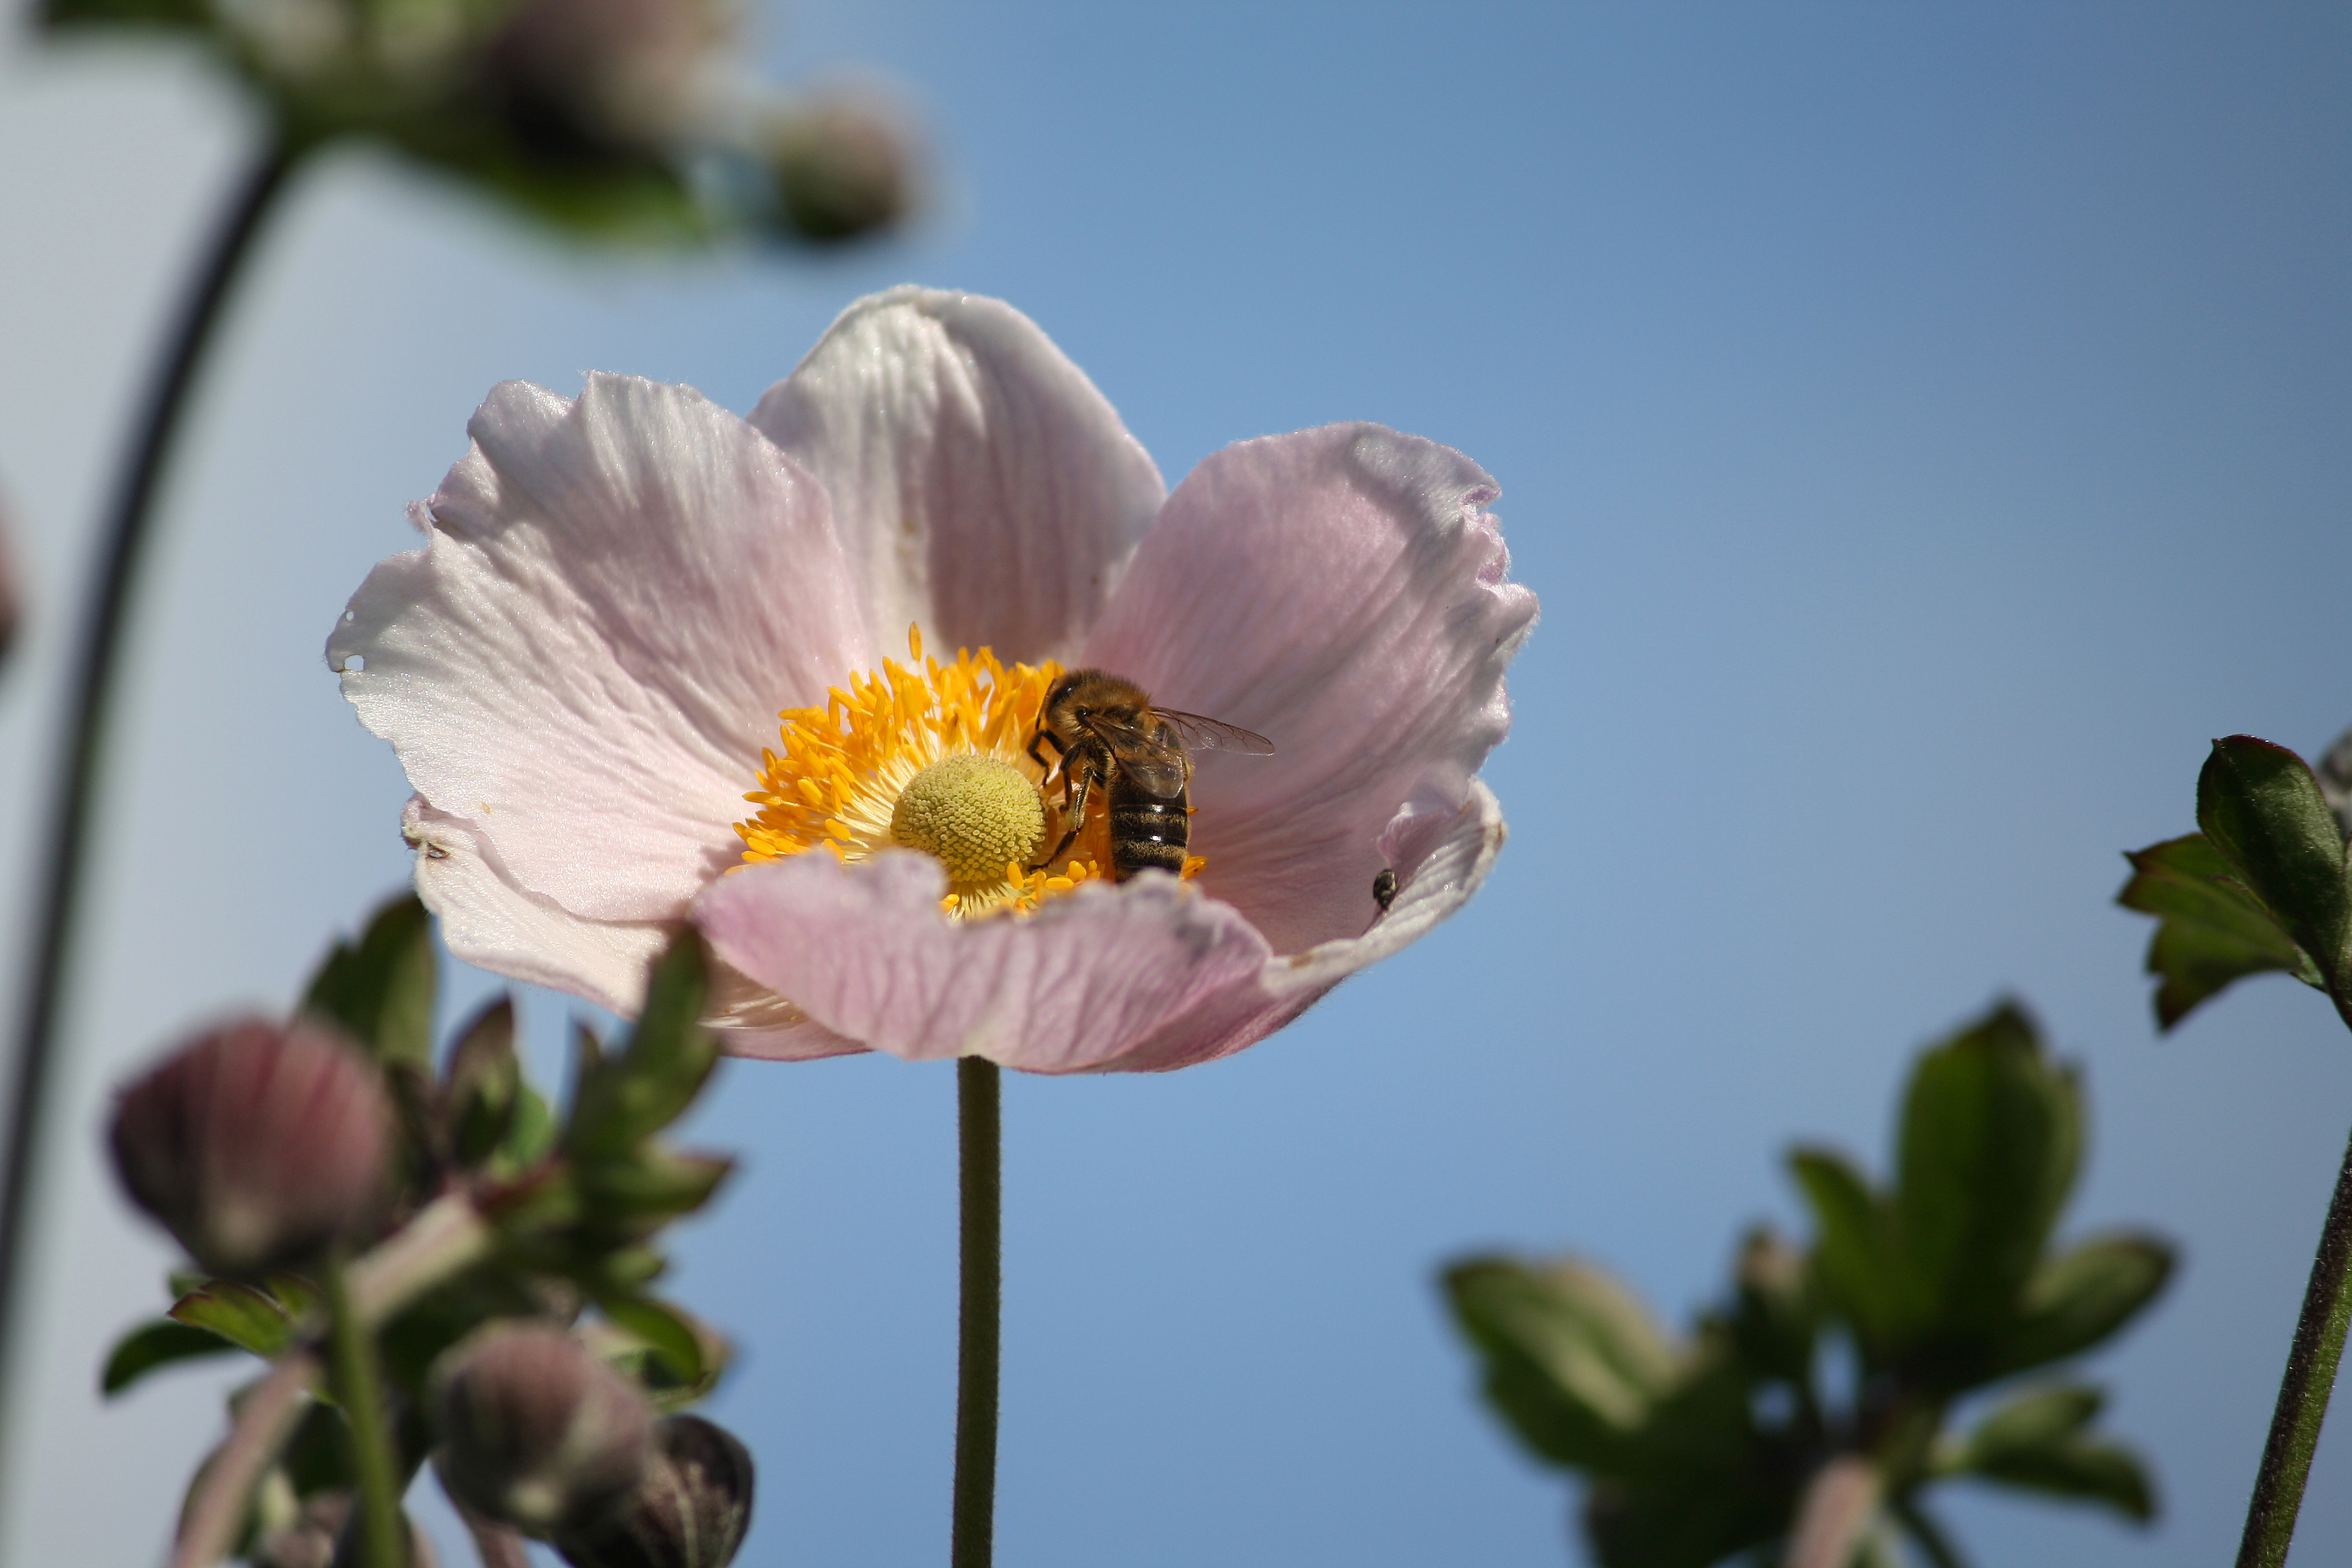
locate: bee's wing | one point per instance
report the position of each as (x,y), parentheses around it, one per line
(1200,734)
(1154,766)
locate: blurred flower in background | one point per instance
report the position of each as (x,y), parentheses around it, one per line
(622,119)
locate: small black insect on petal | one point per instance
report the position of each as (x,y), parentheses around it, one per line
(1384,888)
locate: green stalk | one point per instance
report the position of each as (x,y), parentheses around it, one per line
(74,805)
(360,1386)
(2302,1393)
(981,1147)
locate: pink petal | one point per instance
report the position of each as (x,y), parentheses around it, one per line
(981,485)
(1440,859)
(864,951)
(1341,591)
(487,918)
(581,665)
(1142,977)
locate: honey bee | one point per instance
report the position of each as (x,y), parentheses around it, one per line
(1106,732)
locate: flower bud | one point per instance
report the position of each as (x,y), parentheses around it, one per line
(536,1432)
(842,168)
(591,79)
(257,1146)
(691,1511)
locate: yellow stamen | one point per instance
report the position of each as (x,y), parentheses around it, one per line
(931,756)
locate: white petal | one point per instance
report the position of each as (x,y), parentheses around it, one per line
(583,665)
(981,486)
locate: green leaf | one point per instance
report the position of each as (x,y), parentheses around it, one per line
(2079,1298)
(1991,1138)
(1574,1361)
(2034,1420)
(380,990)
(1853,1253)
(676,1356)
(484,1085)
(2037,1441)
(2211,932)
(628,1097)
(636,1194)
(240,1314)
(528,1137)
(2261,808)
(156,1344)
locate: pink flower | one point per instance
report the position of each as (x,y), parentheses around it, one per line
(583,672)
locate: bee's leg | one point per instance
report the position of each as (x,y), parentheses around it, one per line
(1058,749)
(1077,783)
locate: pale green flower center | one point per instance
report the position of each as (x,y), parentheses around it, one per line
(977,813)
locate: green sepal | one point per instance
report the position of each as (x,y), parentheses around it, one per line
(156,1344)
(622,1101)
(2261,808)
(2211,932)
(2080,1298)
(2037,1441)
(1573,1360)
(483,1085)
(1992,1139)
(530,1138)
(244,1317)
(676,1357)
(379,990)
(636,1194)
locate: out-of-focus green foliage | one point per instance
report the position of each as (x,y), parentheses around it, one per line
(1698,1449)
(576,1206)
(610,119)
(2263,886)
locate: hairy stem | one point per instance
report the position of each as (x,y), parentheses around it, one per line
(73,807)
(980,1120)
(2302,1393)
(359,1384)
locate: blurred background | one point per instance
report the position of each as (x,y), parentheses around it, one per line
(1926,427)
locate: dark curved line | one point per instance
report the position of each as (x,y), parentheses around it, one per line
(89,699)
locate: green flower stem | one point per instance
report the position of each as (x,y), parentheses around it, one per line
(448,1236)
(359,1384)
(2303,1391)
(75,803)
(980,1125)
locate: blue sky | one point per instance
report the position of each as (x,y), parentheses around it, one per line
(1925,428)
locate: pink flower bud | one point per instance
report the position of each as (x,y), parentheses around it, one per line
(257,1146)
(844,166)
(536,1431)
(692,1510)
(594,78)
